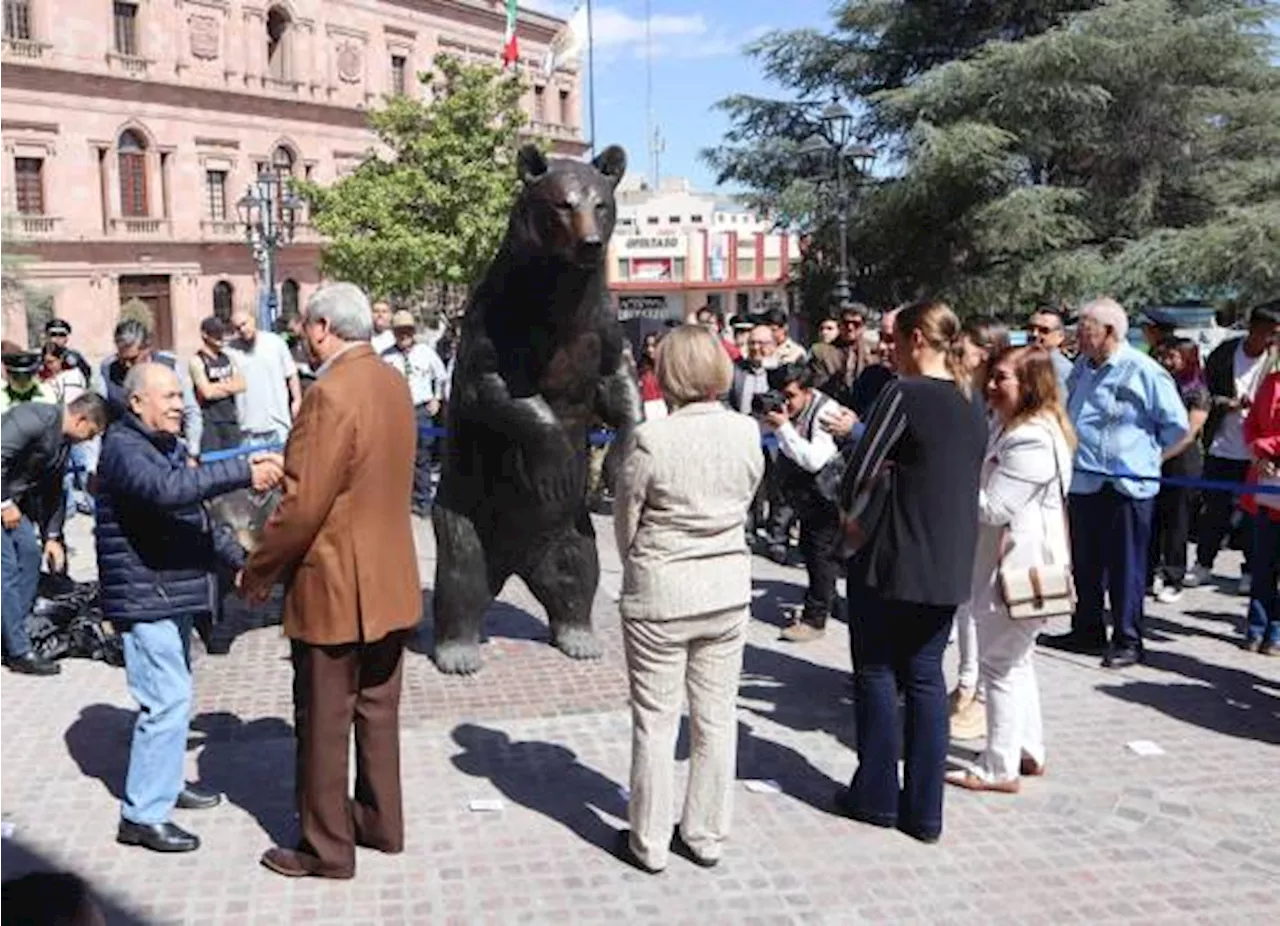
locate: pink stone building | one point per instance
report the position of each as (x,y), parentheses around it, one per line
(131,128)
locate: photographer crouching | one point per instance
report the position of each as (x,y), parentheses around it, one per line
(794,411)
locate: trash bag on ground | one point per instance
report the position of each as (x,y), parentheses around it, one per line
(66,622)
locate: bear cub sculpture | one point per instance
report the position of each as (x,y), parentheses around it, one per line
(540,362)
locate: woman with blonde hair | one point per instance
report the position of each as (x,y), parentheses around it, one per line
(680,519)
(1022,516)
(924,439)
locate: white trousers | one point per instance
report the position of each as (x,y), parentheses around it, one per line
(700,656)
(1008,674)
(966,635)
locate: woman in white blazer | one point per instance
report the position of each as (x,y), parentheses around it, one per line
(680,519)
(1022,523)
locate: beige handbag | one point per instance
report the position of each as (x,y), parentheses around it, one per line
(1045,590)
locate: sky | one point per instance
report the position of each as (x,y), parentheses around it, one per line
(697,61)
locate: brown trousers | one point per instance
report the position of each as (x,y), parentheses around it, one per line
(335,688)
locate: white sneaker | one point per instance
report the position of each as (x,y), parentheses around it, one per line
(1246,584)
(1197,575)
(1157,586)
(1169,595)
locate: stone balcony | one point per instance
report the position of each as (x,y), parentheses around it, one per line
(133,65)
(221,230)
(141,227)
(553,130)
(36,226)
(25,48)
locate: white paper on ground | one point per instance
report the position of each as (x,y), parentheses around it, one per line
(486,804)
(764,786)
(6,829)
(1144,748)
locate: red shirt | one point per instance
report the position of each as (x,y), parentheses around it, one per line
(1262,435)
(650,391)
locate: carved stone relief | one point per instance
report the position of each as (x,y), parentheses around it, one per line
(205,37)
(350,62)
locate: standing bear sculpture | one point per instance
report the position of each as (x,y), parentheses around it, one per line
(540,363)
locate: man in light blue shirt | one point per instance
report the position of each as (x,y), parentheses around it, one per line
(1126,411)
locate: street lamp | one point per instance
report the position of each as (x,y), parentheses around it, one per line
(833,138)
(268,210)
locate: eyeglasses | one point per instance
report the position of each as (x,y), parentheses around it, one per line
(1041,329)
(853,322)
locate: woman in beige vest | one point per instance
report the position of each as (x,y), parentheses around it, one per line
(680,519)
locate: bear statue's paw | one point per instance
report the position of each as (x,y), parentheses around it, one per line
(457,658)
(577,643)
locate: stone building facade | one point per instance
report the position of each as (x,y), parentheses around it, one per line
(132,127)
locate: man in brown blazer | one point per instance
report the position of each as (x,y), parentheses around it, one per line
(342,544)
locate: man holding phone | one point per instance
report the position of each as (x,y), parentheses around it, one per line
(795,412)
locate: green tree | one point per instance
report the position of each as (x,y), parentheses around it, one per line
(1129,147)
(433,207)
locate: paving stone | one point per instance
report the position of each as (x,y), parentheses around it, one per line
(1108,836)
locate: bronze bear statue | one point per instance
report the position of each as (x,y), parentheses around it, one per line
(540,362)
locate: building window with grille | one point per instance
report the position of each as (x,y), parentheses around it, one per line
(566,112)
(215,194)
(126,28)
(132,161)
(539,104)
(746,268)
(399,66)
(17,20)
(28,182)
(279,27)
(223,296)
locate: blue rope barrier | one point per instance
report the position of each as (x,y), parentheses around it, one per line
(1186,482)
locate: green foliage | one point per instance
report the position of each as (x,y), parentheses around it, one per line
(1037,151)
(434,206)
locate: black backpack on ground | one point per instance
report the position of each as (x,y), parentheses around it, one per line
(66,621)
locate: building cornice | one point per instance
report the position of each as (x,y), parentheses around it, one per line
(536,27)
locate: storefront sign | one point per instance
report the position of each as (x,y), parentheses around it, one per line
(653,245)
(650,269)
(650,307)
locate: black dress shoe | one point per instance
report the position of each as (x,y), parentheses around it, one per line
(193,798)
(158,837)
(1122,658)
(1085,644)
(32,663)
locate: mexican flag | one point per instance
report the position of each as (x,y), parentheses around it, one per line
(510,46)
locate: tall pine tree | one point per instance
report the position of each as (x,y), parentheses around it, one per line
(1036,152)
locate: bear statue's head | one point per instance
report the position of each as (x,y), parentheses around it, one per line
(565,211)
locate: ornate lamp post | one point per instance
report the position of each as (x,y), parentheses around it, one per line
(268,210)
(832,139)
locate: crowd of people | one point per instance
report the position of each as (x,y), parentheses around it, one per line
(970,489)
(967,489)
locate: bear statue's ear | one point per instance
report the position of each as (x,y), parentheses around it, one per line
(612,162)
(530,163)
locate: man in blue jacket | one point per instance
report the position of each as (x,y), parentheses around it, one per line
(157,552)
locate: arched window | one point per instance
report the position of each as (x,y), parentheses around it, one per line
(132,158)
(279,67)
(289,298)
(282,161)
(223,296)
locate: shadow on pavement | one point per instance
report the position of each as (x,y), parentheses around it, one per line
(765,760)
(1225,700)
(252,764)
(543,777)
(801,695)
(256,778)
(17,860)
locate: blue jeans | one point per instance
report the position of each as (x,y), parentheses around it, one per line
(21,563)
(1264,619)
(1110,547)
(158,670)
(901,644)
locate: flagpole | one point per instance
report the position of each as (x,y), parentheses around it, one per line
(591,78)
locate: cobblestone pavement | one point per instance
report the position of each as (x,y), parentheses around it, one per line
(1189,836)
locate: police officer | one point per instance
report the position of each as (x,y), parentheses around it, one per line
(21,384)
(57,334)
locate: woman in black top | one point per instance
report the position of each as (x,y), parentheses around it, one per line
(915,569)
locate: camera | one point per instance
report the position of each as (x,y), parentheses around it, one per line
(764,403)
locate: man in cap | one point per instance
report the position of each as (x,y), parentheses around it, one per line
(35,440)
(425,373)
(21,384)
(57,335)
